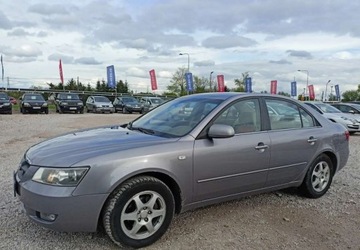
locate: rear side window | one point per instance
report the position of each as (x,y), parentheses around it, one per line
(287,115)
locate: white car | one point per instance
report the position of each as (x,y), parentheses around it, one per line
(333,114)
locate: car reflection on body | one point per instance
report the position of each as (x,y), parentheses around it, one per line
(133,178)
(333,114)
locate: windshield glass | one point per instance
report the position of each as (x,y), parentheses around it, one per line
(101,99)
(156,100)
(4,96)
(327,108)
(69,97)
(175,118)
(129,99)
(34,98)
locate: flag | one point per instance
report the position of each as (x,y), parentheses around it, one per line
(111,76)
(273,87)
(337,91)
(221,85)
(248,85)
(311,92)
(189,81)
(61,72)
(293,88)
(2,69)
(153,79)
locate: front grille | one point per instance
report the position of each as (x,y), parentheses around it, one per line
(23,168)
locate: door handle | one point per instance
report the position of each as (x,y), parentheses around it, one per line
(261,147)
(312,140)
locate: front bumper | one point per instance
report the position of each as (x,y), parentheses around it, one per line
(104,109)
(67,108)
(71,213)
(38,109)
(5,108)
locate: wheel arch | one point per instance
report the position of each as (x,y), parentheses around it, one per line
(333,159)
(168,180)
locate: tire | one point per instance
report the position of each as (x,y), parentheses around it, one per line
(132,199)
(124,110)
(82,111)
(46,111)
(318,178)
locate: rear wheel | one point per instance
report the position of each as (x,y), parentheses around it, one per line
(139,212)
(318,178)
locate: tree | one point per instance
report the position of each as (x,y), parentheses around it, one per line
(178,83)
(200,84)
(283,93)
(240,83)
(122,87)
(351,95)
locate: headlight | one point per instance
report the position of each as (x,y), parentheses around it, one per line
(7,104)
(110,105)
(44,104)
(26,104)
(60,176)
(80,103)
(63,103)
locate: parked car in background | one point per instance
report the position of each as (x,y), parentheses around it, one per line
(150,102)
(68,102)
(335,115)
(348,108)
(13,100)
(131,179)
(99,104)
(128,104)
(5,104)
(33,103)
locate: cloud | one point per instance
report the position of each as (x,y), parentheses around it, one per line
(64,58)
(5,23)
(87,61)
(282,61)
(223,42)
(48,9)
(299,53)
(204,63)
(19,32)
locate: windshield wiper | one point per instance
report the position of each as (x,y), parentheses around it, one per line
(143,130)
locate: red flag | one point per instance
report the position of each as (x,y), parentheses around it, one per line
(273,87)
(153,79)
(221,85)
(61,72)
(311,92)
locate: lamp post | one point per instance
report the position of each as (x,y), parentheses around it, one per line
(188,55)
(331,87)
(326,90)
(307,79)
(211,80)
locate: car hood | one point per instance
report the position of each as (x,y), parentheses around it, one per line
(132,103)
(339,116)
(69,149)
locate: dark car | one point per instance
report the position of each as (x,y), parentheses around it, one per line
(33,103)
(99,104)
(5,104)
(68,102)
(128,104)
(131,179)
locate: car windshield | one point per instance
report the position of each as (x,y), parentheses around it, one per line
(69,97)
(175,118)
(4,96)
(327,108)
(156,100)
(129,99)
(33,98)
(101,99)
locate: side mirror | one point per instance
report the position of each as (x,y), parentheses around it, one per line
(221,131)
(351,111)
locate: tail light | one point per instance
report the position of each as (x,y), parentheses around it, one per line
(347,135)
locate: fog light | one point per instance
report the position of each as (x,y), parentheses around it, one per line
(47,217)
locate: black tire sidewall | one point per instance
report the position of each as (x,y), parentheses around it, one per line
(128,193)
(307,184)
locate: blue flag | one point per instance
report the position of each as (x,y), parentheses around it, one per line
(248,85)
(189,81)
(111,76)
(293,88)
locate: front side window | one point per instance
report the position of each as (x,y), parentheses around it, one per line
(243,116)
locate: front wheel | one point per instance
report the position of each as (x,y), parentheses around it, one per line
(139,212)
(318,178)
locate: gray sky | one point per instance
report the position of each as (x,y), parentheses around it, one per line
(269,39)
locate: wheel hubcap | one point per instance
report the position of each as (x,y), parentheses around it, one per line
(320,176)
(143,215)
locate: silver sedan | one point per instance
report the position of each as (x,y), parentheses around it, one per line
(189,152)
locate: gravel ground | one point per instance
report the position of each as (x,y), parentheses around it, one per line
(278,220)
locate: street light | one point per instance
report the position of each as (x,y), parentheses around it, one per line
(211,80)
(188,60)
(326,90)
(307,79)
